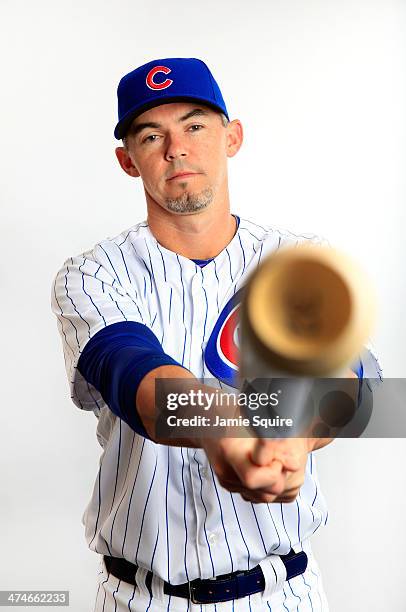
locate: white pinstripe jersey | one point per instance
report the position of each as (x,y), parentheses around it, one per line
(158,506)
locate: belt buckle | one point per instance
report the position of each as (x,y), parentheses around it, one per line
(191,594)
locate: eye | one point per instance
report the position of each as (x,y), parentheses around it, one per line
(196,127)
(151,138)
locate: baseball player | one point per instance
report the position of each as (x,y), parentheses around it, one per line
(194,524)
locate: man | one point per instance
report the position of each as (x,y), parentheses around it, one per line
(195,521)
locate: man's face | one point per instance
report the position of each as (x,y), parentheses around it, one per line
(180,138)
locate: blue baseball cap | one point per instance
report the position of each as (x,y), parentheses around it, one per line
(162,81)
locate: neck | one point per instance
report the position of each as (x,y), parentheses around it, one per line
(201,235)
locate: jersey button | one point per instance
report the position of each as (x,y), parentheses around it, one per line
(212,537)
(204,472)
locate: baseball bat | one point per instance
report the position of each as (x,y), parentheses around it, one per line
(306,312)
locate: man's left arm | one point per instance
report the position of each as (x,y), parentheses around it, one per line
(267,451)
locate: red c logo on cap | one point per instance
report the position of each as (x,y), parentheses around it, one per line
(150,78)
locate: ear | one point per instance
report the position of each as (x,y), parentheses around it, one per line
(235,137)
(126,162)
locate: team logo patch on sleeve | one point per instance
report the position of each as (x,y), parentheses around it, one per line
(222,350)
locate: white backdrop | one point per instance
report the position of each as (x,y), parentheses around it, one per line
(320,88)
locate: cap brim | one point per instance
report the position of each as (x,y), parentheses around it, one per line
(123,125)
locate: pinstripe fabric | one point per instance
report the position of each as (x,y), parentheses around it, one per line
(162,507)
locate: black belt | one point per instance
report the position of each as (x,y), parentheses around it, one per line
(222,588)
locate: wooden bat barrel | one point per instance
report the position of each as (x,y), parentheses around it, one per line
(306,310)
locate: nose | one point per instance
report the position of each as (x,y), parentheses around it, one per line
(175,148)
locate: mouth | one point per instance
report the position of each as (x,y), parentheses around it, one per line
(183,175)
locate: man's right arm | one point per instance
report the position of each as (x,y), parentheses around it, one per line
(145,402)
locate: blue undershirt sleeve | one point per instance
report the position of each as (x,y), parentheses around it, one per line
(358,369)
(115,360)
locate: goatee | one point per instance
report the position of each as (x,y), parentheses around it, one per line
(190,202)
